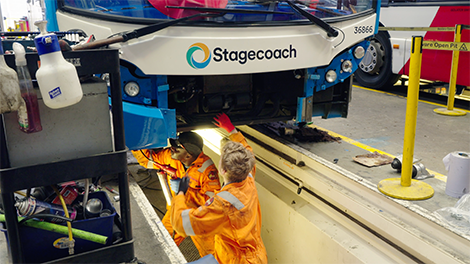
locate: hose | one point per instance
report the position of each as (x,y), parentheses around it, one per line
(69,225)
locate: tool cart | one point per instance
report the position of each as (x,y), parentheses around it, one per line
(82,141)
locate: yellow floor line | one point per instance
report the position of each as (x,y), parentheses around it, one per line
(431,103)
(371,149)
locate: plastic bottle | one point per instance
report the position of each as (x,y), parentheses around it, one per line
(10,96)
(57,79)
(31,122)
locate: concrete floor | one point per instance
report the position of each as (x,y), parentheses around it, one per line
(378,120)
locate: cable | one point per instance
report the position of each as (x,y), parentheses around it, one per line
(44,216)
(164,182)
(156,163)
(342,39)
(145,156)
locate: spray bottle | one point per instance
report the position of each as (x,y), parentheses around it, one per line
(57,79)
(10,96)
(31,122)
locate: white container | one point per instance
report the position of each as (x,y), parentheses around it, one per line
(457,164)
(10,95)
(57,79)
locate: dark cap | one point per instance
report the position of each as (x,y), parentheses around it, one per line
(190,141)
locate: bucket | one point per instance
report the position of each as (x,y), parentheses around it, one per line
(457,164)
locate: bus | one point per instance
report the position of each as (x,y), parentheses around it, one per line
(388,55)
(257,61)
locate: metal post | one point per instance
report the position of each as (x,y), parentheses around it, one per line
(119,143)
(453,80)
(411,110)
(405,187)
(453,71)
(8,202)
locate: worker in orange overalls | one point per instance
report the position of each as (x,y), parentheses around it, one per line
(233,215)
(186,156)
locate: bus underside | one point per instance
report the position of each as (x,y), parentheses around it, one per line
(248,98)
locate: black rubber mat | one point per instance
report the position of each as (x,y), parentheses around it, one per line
(189,250)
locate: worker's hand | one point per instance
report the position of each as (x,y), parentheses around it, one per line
(184,184)
(175,185)
(222,121)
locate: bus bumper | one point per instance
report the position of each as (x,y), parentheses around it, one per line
(148,127)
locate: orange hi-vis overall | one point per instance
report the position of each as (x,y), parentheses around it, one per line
(233,216)
(204,181)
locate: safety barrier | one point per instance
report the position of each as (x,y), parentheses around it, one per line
(405,187)
(456,47)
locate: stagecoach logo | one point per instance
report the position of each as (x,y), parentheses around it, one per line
(190,56)
(240,56)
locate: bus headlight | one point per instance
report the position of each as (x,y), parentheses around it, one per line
(330,76)
(346,66)
(359,52)
(132,89)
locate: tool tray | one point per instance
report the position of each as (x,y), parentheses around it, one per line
(16,174)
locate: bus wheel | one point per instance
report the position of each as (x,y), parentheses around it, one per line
(375,69)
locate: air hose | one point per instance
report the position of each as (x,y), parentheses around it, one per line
(71,242)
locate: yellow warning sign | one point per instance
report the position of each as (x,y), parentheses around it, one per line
(444,45)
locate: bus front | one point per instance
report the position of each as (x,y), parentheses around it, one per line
(257,61)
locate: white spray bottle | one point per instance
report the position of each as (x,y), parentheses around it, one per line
(31,122)
(10,95)
(57,79)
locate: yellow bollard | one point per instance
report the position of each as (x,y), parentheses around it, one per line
(405,187)
(411,111)
(453,79)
